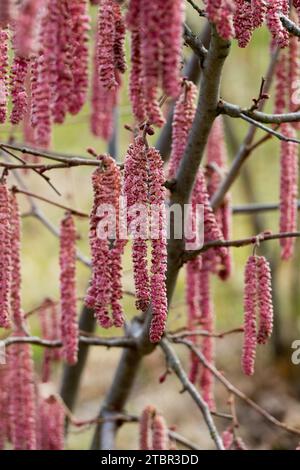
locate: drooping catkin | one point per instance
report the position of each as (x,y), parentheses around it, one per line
(136,192)
(224,25)
(294,76)
(288,190)
(145,427)
(227,438)
(51,422)
(67,260)
(184,114)
(106,247)
(80,53)
(279,34)
(19,71)
(264,300)
(26,26)
(22,397)
(50,330)
(157,194)
(6,12)
(135,82)
(160,440)
(250,307)
(259,10)
(243,22)
(5,255)
(17,313)
(3,74)
(281,84)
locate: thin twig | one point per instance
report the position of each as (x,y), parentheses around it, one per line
(231,388)
(122,342)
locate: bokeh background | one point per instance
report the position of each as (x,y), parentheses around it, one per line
(276,384)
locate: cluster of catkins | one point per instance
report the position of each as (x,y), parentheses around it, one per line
(258,309)
(286,100)
(239,18)
(19,397)
(216,227)
(154,433)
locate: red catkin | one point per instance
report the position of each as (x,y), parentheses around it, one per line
(135,83)
(5,13)
(79,49)
(135,190)
(264,300)
(213,8)
(159,245)
(294,76)
(26,26)
(120,31)
(67,260)
(105,287)
(51,424)
(19,71)
(243,22)
(103,103)
(279,34)
(281,90)
(171,20)
(50,330)
(145,427)
(224,24)
(259,10)
(160,439)
(250,306)
(3,74)
(5,256)
(288,190)
(22,400)
(227,437)
(15,247)
(184,113)
(105,44)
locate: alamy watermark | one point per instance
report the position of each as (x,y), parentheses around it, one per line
(152,222)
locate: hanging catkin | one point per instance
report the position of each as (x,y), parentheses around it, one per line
(50,330)
(145,427)
(160,440)
(159,245)
(26,27)
(257,306)
(51,422)
(3,74)
(136,192)
(5,255)
(281,83)
(107,248)
(259,10)
(6,12)
(22,399)
(67,260)
(19,71)
(243,22)
(225,23)
(288,190)
(279,33)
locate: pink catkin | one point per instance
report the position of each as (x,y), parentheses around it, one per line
(50,330)
(224,24)
(145,427)
(103,103)
(243,22)
(160,439)
(150,20)
(264,300)
(26,26)
(207,320)
(105,44)
(259,10)
(136,189)
(4,405)
(67,260)
(213,8)
(15,247)
(157,194)
(294,76)
(281,90)
(135,83)
(5,13)
(62,87)
(19,71)
(288,190)
(3,74)
(184,114)
(5,256)
(250,306)
(22,400)
(172,17)
(227,437)
(105,288)
(279,34)
(119,43)
(51,424)
(79,49)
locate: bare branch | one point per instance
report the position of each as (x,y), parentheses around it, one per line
(257,207)
(231,388)
(176,366)
(122,342)
(290,26)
